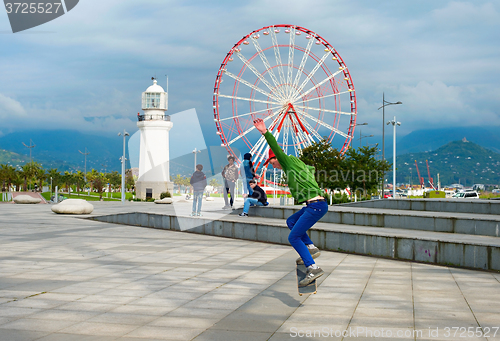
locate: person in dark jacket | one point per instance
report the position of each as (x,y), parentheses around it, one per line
(199,182)
(248,172)
(257,198)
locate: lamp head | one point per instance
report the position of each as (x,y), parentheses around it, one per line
(399,102)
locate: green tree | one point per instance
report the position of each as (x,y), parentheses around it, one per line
(9,174)
(98,181)
(129,179)
(115,179)
(3,176)
(214,183)
(18,180)
(357,169)
(56,177)
(186,181)
(79,179)
(178,180)
(68,179)
(40,175)
(366,171)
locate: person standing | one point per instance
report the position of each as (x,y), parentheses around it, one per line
(257,198)
(199,182)
(249,173)
(305,189)
(230,175)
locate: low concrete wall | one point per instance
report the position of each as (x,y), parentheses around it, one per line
(402,220)
(482,253)
(474,206)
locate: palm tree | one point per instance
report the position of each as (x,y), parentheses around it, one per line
(54,174)
(68,179)
(115,179)
(98,181)
(79,181)
(10,175)
(179,180)
(41,176)
(18,180)
(3,175)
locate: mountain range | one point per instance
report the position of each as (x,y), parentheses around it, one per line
(461,161)
(62,149)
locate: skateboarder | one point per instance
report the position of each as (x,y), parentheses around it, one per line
(305,189)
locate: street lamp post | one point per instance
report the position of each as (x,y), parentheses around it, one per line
(195,151)
(360,124)
(362,137)
(394,124)
(31,146)
(85,168)
(123,159)
(384,104)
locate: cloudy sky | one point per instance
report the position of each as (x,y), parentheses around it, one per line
(86,70)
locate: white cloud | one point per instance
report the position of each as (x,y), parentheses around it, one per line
(439,58)
(10,108)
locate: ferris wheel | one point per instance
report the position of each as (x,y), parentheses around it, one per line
(295,81)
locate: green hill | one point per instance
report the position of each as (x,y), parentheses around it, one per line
(461,162)
(12,158)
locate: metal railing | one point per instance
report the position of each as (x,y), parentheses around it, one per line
(153,118)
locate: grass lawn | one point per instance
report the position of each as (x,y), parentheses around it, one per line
(91,197)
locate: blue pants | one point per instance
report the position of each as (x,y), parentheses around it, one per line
(302,221)
(250,202)
(246,187)
(197,200)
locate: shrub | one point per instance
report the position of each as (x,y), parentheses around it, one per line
(150,200)
(338,199)
(165,195)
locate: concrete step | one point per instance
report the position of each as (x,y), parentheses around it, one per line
(474,206)
(471,251)
(449,222)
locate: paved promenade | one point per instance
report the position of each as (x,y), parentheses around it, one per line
(68,278)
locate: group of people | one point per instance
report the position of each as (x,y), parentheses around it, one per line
(253,195)
(302,185)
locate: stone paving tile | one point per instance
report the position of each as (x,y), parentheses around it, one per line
(130,283)
(74,337)
(17,312)
(117,318)
(165,333)
(142,310)
(37,325)
(63,315)
(20,335)
(230,335)
(102,329)
(184,322)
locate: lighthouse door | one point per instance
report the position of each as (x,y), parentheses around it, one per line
(149,193)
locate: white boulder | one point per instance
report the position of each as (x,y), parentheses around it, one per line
(166,200)
(73,206)
(26,199)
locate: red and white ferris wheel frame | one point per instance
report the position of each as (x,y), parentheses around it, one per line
(298,127)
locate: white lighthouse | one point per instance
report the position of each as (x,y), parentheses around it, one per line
(154,126)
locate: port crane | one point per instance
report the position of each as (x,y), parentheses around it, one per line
(420,179)
(431,180)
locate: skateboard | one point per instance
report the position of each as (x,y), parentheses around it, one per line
(311,288)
